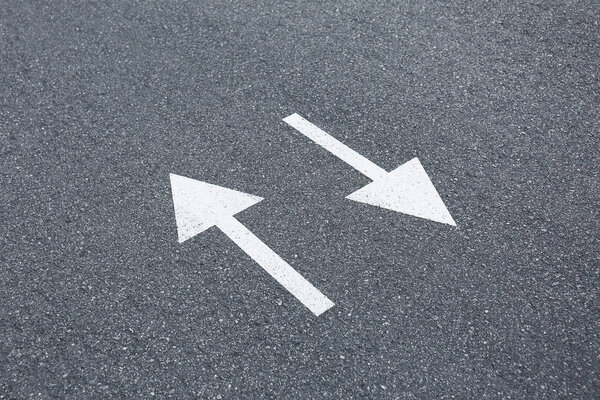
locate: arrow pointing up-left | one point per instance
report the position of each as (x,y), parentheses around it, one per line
(200,205)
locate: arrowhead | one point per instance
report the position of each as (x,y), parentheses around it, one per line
(408,190)
(200,205)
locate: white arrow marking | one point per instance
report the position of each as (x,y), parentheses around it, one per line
(200,205)
(407,189)
(283,273)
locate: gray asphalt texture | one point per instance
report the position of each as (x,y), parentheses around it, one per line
(100,101)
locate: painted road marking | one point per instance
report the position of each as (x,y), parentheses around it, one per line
(200,205)
(337,148)
(407,189)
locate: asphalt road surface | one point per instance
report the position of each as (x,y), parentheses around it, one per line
(101,101)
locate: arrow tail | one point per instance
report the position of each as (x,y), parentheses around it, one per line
(283,273)
(335,147)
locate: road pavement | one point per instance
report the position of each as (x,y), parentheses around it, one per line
(101,101)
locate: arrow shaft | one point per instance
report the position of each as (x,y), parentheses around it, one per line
(283,273)
(335,147)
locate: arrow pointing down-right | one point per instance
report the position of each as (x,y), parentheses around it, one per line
(407,189)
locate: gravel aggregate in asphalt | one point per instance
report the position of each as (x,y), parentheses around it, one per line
(100,101)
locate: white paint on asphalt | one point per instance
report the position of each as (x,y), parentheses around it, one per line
(335,147)
(200,205)
(283,273)
(407,189)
